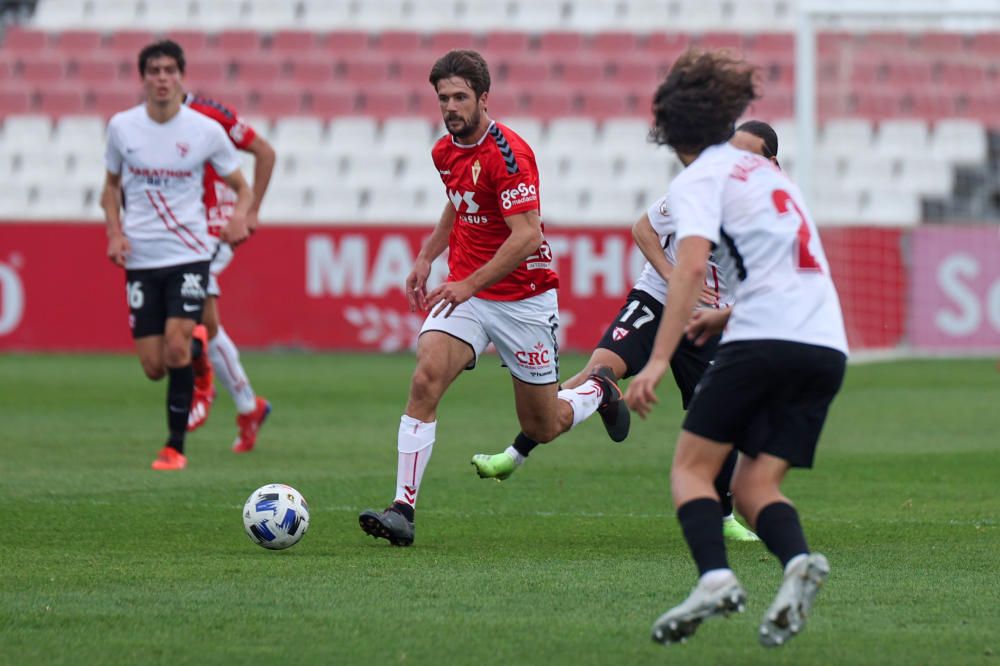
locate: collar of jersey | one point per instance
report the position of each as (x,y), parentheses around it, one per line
(477,143)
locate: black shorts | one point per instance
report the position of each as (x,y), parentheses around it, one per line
(768,396)
(155,294)
(631,336)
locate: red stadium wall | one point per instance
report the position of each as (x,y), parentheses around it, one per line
(339,287)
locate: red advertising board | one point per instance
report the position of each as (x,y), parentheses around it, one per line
(340,287)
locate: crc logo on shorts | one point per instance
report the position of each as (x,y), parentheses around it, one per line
(539,357)
(516,196)
(192,288)
(619,333)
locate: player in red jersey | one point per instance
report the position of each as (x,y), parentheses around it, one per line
(219,199)
(500,289)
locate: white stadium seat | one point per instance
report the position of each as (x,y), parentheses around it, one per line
(25,133)
(959,141)
(333,203)
(906,139)
(890,208)
(845,137)
(351,135)
(295,133)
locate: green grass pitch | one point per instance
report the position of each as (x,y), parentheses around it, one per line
(103,561)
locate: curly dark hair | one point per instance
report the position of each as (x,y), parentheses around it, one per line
(465,64)
(702,97)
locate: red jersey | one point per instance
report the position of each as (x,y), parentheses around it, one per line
(219,198)
(486,182)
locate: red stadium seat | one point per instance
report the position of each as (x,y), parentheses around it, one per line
(549,102)
(348,43)
(581,72)
(107,102)
(942,42)
(774,45)
(258,71)
(413,74)
(666,44)
(444,41)
(294,42)
(637,72)
(832,43)
(897,42)
(233,95)
(500,43)
(95,71)
(330,102)
(526,69)
(876,105)
(14,101)
(205,72)
(239,41)
(773,105)
(560,43)
(22,40)
(79,41)
(277,103)
(192,41)
(613,44)
(366,72)
(957,76)
(987,44)
(384,101)
(908,73)
(130,42)
(6,70)
(426,105)
(928,105)
(59,102)
(722,40)
(397,42)
(310,72)
(603,103)
(983,105)
(43,69)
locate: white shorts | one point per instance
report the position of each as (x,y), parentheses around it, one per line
(523,332)
(220,260)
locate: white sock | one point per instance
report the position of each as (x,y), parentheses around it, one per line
(414,444)
(729,517)
(516,455)
(584,399)
(226,361)
(716,577)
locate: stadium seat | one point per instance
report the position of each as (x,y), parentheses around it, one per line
(33,166)
(214,15)
(621,138)
(314,168)
(330,103)
(60,101)
(831,206)
(845,137)
(56,200)
(161,16)
(560,44)
(395,204)
(890,208)
(397,43)
(14,102)
(352,134)
(385,101)
(111,14)
(14,199)
(589,169)
(432,15)
(326,15)
(560,204)
(58,15)
(606,102)
(331,203)
(283,203)
(91,72)
(298,133)
(928,177)
(295,44)
(641,14)
(372,168)
(25,133)
(377,16)
(529,129)
(202,75)
(500,44)
(267,15)
(278,102)
(567,136)
(611,204)
(865,171)
(311,73)
(43,69)
(904,139)
(959,141)
(75,42)
(592,15)
(536,15)
(612,44)
(442,41)
(405,136)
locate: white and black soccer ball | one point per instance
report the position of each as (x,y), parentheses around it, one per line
(276,516)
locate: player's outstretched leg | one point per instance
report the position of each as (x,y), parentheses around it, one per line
(249,425)
(787,615)
(613,410)
(714,595)
(392,524)
(204,379)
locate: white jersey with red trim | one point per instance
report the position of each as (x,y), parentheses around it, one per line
(162,166)
(650,280)
(767,243)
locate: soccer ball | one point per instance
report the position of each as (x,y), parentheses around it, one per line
(276,516)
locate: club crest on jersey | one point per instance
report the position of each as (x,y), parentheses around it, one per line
(183,148)
(476,168)
(619,333)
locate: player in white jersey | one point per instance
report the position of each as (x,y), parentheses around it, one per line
(628,340)
(155,160)
(781,359)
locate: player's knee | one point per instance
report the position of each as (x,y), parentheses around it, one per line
(541,432)
(153,369)
(426,385)
(177,352)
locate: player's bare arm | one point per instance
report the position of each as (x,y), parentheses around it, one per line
(648,242)
(688,278)
(111,198)
(416,281)
(263,166)
(235,231)
(524,240)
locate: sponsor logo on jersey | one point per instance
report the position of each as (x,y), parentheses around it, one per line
(238,131)
(192,288)
(538,357)
(159,173)
(476,168)
(541,259)
(444,172)
(183,148)
(619,333)
(458,198)
(516,196)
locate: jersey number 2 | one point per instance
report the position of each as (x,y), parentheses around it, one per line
(784,203)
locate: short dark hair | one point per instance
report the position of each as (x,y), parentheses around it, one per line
(465,64)
(163,48)
(763,131)
(702,97)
